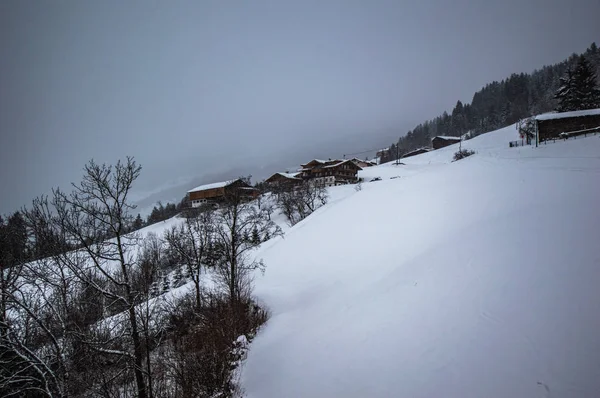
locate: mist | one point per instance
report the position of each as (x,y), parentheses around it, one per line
(205,91)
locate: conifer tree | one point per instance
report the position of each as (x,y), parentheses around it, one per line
(138,223)
(566,93)
(586,90)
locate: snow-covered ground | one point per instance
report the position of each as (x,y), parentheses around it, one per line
(476,278)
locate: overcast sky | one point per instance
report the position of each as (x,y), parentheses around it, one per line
(202,90)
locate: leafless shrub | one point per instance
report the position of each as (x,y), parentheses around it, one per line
(204,347)
(297,204)
(463,153)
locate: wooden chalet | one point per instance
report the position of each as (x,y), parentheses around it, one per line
(363,163)
(284,180)
(443,141)
(330,172)
(382,152)
(567,124)
(415,152)
(217,192)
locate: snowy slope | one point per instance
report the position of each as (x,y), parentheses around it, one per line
(477,278)
(485,143)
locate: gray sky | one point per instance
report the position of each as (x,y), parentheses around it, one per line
(205,90)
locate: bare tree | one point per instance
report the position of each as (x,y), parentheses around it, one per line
(235,222)
(22,368)
(297,204)
(97,208)
(191,242)
(34,320)
(150,260)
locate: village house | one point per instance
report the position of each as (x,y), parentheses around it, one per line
(415,152)
(330,172)
(217,192)
(382,152)
(443,141)
(363,163)
(567,124)
(284,180)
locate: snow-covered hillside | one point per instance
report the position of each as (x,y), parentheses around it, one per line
(477,278)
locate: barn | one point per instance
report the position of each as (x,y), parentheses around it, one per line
(557,125)
(218,191)
(442,141)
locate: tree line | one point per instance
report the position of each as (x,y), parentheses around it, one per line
(567,85)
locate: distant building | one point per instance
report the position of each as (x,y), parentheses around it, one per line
(566,124)
(363,163)
(382,153)
(217,192)
(284,180)
(415,152)
(330,172)
(443,141)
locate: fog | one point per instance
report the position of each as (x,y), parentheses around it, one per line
(202,91)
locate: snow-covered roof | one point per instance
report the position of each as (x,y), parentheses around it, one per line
(342,162)
(422,149)
(361,160)
(447,137)
(562,115)
(320,162)
(316,160)
(288,175)
(291,176)
(212,186)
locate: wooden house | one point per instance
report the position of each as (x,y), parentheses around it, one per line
(218,191)
(382,152)
(443,141)
(416,152)
(330,172)
(567,124)
(363,163)
(284,180)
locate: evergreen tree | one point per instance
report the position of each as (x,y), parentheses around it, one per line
(586,91)
(13,240)
(255,236)
(137,223)
(566,93)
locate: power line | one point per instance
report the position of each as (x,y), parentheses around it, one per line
(358,153)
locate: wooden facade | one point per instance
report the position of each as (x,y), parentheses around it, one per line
(218,191)
(552,126)
(443,141)
(283,180)
(415,152)
(330,172)
(363,163)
